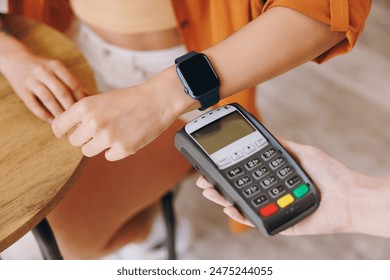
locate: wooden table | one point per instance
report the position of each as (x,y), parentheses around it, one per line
(36,169)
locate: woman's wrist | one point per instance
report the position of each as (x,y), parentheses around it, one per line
(369,206)
(10,48)
(170,92)
(356,203)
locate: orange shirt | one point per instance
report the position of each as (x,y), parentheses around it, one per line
(56,13)
(203,23)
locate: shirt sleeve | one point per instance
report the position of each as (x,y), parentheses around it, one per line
(341,15)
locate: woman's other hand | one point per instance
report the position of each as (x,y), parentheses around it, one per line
(337,185)
(46,86)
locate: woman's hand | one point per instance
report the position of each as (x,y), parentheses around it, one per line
(123,121)
(336,183)
(46,86)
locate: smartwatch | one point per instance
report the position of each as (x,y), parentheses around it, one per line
(199,78)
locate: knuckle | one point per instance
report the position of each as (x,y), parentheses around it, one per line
(28,101)
(83,106)
(120,148)
(39,90)
(43,96)
(38,72)
(123,150)
(28,84)
(95,125)
(39,69)
(73,87)
(107,137)
(54,63)
(60,91)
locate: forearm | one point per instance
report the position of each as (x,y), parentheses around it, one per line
(370,206)
(272,44)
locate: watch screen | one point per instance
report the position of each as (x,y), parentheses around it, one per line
(199,75)
(222,132)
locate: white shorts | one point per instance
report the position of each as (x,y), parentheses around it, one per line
(115,67)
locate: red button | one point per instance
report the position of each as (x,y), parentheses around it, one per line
(268,210)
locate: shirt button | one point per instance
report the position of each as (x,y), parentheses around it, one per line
(184,24)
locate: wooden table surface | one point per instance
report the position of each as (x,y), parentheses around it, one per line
(36,169)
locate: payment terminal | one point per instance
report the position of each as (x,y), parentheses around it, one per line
(249,167)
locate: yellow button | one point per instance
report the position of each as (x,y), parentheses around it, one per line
(285,200)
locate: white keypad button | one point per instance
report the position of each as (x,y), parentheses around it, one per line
(237,155)
(261,143)
(223,162)
(248,149)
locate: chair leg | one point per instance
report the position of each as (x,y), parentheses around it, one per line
(50,251)
(46,241)
(170,223)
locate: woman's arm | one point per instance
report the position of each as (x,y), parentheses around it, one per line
(274,43)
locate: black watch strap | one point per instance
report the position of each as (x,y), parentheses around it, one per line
(209,99)
(184,57)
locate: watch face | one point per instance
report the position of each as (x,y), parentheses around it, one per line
(199,75)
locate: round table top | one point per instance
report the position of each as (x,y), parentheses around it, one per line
(37,169)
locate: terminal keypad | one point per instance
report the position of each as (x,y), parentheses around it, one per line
(267,181)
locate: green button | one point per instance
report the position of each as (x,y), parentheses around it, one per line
(301,191)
